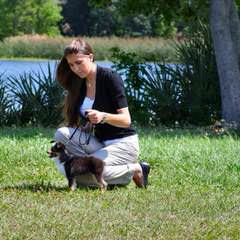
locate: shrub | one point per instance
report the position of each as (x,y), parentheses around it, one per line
(161,93)
(152,89)
(200,95)
(5,103)
(38,98)
(128,65)
(162,89)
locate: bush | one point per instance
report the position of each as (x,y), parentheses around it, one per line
(38,99)
(161,93)
(162,89)
(5,103)
(200,101)
(152,89)
(128,65)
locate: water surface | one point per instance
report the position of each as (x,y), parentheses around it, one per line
(19,67)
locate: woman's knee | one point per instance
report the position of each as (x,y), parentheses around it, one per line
(62,134)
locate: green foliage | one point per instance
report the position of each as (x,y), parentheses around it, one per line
(161,86)
(152,89)
(104,22)
(201,99)
(128,65)
(164,28)
(29,17)
(52,98)
(47,17)
(109,21)
(37,97)
(166,14)
(5,103)
(161,93)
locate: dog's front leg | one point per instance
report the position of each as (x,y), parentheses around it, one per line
(102,183)
(73,184)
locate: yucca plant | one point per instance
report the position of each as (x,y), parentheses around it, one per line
(200,97)
(152,89)
(130,67)
(52,96)
(27,95)
(37,98)
(5,102)
(161,83)
(163,93)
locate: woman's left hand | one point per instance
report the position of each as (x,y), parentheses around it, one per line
(95,116)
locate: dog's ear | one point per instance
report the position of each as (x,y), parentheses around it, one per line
(52,141)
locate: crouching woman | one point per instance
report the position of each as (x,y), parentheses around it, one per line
(96,95)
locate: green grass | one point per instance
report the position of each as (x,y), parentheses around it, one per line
(194,191)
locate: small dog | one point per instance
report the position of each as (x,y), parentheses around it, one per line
(75,166)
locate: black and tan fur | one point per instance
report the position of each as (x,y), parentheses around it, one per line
(75,166)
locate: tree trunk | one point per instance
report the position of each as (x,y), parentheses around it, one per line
(225,30)
(235,29)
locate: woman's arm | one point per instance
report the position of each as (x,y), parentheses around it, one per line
(121,119)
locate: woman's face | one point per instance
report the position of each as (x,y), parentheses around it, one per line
(80,64)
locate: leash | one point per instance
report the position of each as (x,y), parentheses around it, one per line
(87,135)
(84,134)
(73,133)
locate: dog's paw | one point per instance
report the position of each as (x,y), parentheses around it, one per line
(103,186)
(73,187)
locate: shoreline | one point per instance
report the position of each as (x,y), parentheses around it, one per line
(41,59)
(26,59)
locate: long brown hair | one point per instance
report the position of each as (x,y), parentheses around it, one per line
(71,82)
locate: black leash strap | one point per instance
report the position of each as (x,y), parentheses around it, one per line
(73,133)
(87,135)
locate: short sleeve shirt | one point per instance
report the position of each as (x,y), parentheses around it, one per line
(109,97)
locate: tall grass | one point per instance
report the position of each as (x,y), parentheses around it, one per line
(38,46)
(194,190)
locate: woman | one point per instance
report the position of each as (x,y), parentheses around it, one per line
(97,94)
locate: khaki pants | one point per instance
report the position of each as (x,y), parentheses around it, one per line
(118,156)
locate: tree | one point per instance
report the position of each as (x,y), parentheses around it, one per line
(83,18)
(225,29)
(29,16)
(76,15)
(47,17)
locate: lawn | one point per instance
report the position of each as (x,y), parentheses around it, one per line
(194,190)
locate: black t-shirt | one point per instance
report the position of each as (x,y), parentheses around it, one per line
(109,97)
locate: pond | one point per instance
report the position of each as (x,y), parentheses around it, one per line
(18,67)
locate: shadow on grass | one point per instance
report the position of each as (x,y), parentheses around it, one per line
(43,187)
(37,187)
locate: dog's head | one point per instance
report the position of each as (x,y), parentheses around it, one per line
(56,149)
